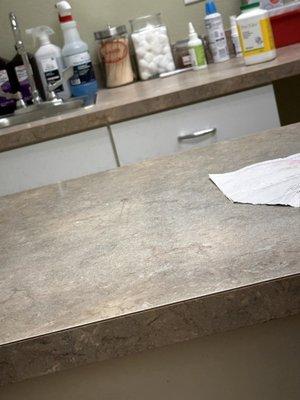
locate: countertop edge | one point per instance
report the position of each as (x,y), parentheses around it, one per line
(149,329)
(96,118)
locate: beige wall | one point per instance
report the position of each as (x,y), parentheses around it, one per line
(93,15)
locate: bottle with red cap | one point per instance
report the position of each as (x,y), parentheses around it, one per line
(75,53)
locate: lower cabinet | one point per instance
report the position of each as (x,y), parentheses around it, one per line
(56,160)
(164,133)
(215,120)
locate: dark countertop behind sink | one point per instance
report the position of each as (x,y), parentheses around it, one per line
(140,257)
(144,98)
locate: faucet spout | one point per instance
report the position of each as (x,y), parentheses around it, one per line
(23,53)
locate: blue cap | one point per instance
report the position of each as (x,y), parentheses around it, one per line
(210,7)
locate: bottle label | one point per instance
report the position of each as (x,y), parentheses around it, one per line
(256,37)
(237,45)
(51,72)
(217,39)
(83,69)
(114,52)
(23,82)
(197,56)
(6,87)
(186,61)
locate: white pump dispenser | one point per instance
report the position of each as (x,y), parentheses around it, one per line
(49,61)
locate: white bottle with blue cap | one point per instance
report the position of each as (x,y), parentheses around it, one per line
(215,32)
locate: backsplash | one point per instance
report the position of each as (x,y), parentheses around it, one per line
(93,15)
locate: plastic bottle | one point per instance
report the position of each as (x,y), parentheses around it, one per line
(215,32)
(6,106)
(19,78)
(49,61)
(75,53)
(196,49)
(256,34)
(235,37)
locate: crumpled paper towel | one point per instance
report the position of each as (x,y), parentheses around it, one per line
(269,182)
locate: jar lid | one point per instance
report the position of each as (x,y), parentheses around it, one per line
(110,31)
(250,5)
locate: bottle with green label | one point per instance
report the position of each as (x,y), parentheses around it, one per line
(196,49)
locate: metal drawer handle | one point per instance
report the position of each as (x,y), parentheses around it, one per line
(197,134)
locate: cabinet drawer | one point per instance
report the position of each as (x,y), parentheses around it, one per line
(232,116)
(56,160)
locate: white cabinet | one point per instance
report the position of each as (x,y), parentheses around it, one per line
(137,140)
(56,160)
(233,116)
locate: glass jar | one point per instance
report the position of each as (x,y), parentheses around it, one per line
(181,54)
(114,56)
(152,46)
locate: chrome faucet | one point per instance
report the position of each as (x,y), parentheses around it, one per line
(23,53)
(14,96)
(53,105)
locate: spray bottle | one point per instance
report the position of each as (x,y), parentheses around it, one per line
(49,61)
(75,53)
(216,34)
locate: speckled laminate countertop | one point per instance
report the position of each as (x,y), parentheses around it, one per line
(140,257)
(144,98)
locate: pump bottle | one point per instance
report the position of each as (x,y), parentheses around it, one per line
(49,61)
(75,53)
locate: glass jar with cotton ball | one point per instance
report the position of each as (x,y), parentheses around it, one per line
(152,46)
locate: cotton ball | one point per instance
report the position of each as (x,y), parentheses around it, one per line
(159,59)
(140,52)
(140,35)
(143,65)
(136,39)
(162,30)
(149,57)
(142,43)
(145,75)
(153,68)
(158,49)
(165,50)
(170,67)
(155,38)
(165,61)
(163,39)
(169,58)
(161,69)
(150,36)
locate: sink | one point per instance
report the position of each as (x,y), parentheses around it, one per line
(39,111)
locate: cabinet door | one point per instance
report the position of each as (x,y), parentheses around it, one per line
(56,160)
(231,116)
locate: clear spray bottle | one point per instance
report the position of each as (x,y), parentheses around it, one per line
(49,60)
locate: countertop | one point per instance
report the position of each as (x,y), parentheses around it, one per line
(142,256)
(144,98)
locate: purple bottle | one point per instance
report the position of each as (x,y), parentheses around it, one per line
(19,78)
(6,106)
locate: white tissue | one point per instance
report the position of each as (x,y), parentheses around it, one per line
(271,182)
